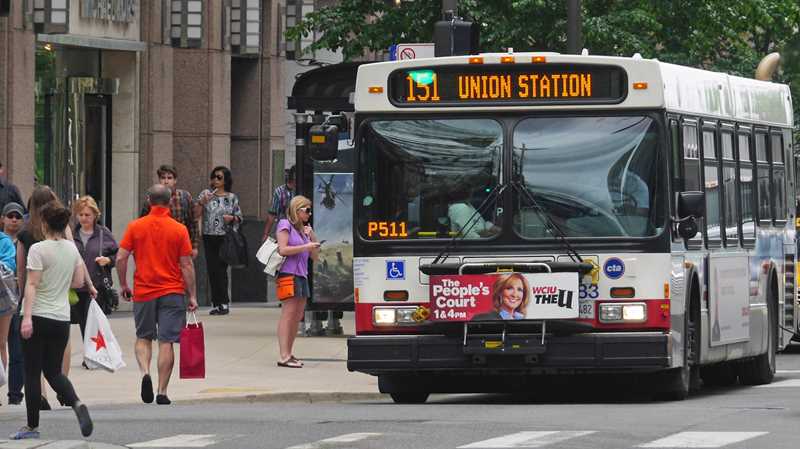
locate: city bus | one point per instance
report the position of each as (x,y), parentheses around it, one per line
(526,214)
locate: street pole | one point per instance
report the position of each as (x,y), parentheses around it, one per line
(574,38)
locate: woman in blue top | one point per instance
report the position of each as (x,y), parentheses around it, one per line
(297,242)
(8,257)
(510,296)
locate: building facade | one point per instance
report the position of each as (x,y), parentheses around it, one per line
(96,94)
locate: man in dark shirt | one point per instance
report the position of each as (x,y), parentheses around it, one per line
(9,193)
(280,201)
(181,205)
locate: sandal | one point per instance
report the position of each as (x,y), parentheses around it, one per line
(295,359)
(290,364)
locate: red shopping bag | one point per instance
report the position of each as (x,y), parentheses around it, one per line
(193,351)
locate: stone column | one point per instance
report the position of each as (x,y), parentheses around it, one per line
(17,118)
(201,102)
(156,112)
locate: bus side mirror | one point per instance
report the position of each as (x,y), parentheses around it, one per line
(323,142)
(691,206)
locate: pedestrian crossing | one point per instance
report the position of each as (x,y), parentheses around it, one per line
(524,439)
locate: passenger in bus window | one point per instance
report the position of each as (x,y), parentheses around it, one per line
(465,221)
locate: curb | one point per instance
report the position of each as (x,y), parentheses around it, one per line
(56,444)
(299,397)
(304,397)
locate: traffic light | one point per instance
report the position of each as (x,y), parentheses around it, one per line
(5,7)
(455,37)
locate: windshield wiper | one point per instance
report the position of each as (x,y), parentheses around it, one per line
(551,226)
(470,223)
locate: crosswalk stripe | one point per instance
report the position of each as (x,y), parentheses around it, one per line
(782,384)
(527,439)
(183,440)
(702,439)
(787,371)
(329,442)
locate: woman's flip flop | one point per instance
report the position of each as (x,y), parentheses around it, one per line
(290,364)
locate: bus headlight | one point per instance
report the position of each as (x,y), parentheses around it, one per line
(391,316)
(623,313)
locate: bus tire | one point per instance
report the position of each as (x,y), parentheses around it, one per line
(409,397)
(681,381)
(761,369)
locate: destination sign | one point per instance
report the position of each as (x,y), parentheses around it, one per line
(507,84)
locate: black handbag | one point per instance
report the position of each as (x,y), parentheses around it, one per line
(107,296)
(234,248)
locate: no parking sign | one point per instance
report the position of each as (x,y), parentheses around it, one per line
(405,52)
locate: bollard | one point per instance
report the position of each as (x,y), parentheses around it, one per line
(313,325)
(334,324)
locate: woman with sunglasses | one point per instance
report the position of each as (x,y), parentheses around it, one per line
(220,209)
(297,242)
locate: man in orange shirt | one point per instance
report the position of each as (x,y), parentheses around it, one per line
(164,276)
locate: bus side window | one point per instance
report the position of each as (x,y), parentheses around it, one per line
(676,157)
(712,188)
(691,169)
(731,206)
(778,186)
(763,176)
(746,188)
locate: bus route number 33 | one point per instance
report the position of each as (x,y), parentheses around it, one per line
(586,295)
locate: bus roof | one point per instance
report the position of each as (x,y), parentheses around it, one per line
(685,89)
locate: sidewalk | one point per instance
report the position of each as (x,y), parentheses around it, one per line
(241,355)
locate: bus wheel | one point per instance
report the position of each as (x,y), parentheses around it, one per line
(761,369)
(719,375)
(409,397)
(680,381)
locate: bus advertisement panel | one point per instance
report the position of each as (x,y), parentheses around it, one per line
(504,296)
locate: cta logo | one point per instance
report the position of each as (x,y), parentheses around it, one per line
(614,268)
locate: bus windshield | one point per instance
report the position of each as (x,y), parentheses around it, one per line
(592,176)
(427,178)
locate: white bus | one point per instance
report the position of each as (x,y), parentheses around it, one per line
(639,211)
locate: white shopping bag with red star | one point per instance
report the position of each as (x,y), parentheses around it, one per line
(100,348)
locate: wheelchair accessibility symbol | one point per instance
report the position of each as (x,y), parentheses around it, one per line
(395,270)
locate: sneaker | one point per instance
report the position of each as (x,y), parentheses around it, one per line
(14,401)
(84,420)
(215,310)
(224,310)
(147,389)
(24,433)
(162,399)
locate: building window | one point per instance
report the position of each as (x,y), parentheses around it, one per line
(186,23)
(51,16)
(246,26)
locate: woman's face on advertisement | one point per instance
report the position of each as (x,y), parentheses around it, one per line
(513,294)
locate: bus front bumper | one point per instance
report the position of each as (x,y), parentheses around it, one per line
(518,354)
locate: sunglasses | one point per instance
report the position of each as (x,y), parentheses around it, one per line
(306,210)
(17,216)
(218,177)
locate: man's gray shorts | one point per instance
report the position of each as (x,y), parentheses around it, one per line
(163,317)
